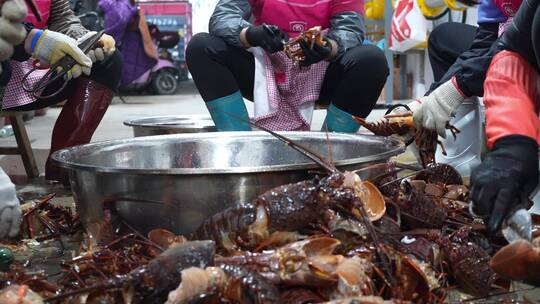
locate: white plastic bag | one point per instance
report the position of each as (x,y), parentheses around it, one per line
(409,27)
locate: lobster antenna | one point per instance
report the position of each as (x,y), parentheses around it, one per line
(328,143)
(319,160)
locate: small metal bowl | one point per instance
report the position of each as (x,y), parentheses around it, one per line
(174,124)
(177,181)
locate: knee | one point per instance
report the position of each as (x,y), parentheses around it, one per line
(198,46)
(439,36)
(367,61)
(109,71)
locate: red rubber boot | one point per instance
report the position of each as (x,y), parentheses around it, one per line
(77,122)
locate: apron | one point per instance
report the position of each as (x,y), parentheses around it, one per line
(508,7)
(285,93)
(14,94)
(44,7)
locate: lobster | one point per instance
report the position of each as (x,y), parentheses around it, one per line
(293,207)
(403,124)
(519,260)
(419,210)
(19,294)
(311,37)
(468,262)
(310,263)
(227,282)
(159,276)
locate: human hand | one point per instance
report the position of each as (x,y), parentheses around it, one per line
(317,53)
(106,47)
(269,37)
(49,47)
(12,31)
(434,111)
(507,173)
(10,208)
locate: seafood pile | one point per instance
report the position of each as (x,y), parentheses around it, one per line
(405,236)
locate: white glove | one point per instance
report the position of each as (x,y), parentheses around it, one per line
(99,53)
(10,208)
(435,110)
(51,46)
(12,32)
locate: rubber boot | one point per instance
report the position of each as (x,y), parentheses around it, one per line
(229,113)
(338,120)
(77,122)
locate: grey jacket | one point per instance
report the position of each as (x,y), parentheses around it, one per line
(231,16)
(63,20)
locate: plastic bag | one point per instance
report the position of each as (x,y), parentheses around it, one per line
(409,27)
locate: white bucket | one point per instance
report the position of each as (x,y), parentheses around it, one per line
(464,152)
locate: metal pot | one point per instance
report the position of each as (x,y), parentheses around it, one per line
(177,181)
(161,125)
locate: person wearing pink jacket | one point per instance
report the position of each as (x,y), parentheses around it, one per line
(509,173)
(246,41)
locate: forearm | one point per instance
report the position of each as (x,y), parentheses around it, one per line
(229,19)
(63,20)
(347,30)
(510,98)
(471,66)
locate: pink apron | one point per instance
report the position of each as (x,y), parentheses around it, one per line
(509,9)
(44,7)
(14,94)
(284,93)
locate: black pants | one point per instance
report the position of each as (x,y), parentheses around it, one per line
(107,72)
(352,83)
(463,51)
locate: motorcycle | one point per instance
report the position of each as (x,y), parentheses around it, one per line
(164,76)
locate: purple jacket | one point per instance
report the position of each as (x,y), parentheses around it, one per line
(118,14)
(497,11)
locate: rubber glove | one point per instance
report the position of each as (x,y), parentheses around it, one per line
(269,37)
(317,53)
(508,172)
(434,111)
(10,208)
(12,31)
(100,53)
(49,47)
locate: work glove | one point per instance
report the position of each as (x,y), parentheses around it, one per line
(106,48)
(10,208)
(12,31)
(316,54)
(434,111)
(49,47)
(268,37)
(508,173)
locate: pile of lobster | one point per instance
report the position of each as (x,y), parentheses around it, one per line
(397,238)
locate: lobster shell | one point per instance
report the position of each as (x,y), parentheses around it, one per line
(519,261)
(375,205)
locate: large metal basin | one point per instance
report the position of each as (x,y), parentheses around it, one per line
(177,124)
(177,181)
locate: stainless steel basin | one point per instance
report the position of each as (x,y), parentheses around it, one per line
(177,181)
(161,125)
